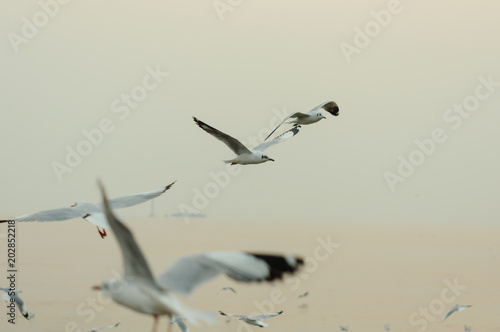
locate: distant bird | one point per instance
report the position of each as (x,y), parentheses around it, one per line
(229,289)
(243,155)
(14,294)
(255,320)
(303,295)
(90,211)
(180,322)
(344,328)
(104,327)
(140,291)
(467,328)
(457,307)
(313,116)
(387,327)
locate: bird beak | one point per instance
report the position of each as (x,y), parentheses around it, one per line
(323,117)
(72,205)
(271,159)
(96,287)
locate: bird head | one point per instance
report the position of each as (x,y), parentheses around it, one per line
(266,158)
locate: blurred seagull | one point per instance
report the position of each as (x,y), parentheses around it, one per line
(387,327)
(14,294)
(254,320)
(314,115)
(104,327)
(229,289)
(303,295)
(344,328)
(467,328)
(457,307)
(90,211)
(140,291)
(180,322)
(243,155)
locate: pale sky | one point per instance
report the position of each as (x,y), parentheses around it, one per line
(236,67)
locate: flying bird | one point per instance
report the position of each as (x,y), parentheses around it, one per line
(313,116)
(90,211)
(14,294)
(456,307)
(467,328)
(387,327)
(140,291)
(243,155)
(104,327)
(344,328)
(229,289)
(255,320)
(303,295)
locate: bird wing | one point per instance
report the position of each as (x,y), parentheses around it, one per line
(131,200)
(329,106)
(180,322)
(298,115)
(57,214)
(232,315)
(450,312)
(264,316)
(104,327)
(283,137)
(235,145)
(191,271)
(135,265)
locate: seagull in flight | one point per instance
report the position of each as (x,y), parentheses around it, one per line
(313,116)
(467,328)
(104,327)
(229,289)
(456,307)
(14,294)
(140,291)
(303,295)
(255,320)
(243,155)
(344,328)
(90,211)
(387,327)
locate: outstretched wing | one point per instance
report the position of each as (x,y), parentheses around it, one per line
(329,106)
(450,312)
(232,315)
(131,200)
(104,327)
(283,137)
(264,316)
(60,214)
(235,145)
(191,271)
(135,265)
(297,115)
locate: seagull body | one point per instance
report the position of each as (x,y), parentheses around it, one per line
(14,294)
(344,328)
(467,328)
(313,116)
(387,327)
(90,211)
(140,291)
(455,308)
(243,155)
(255,320)
(104,327)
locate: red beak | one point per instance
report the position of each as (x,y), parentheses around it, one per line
(96,287)
(271,159)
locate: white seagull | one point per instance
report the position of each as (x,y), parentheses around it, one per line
(90,211)
(303,295)
(14,294)
(456,307)
(314,115)
(255,320)
(387,327)
(140,291)
(344,328)
(243,155)
(467,328)
(104,327)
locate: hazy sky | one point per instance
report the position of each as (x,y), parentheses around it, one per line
(400,72)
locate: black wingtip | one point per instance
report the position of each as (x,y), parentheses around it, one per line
(169,186)
(223,314)
(280,265)
(1,221)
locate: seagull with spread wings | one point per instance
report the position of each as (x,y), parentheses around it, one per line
(140,291)
(457,307)
(243,155)
(313,116)
(90,211)
(255,320)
